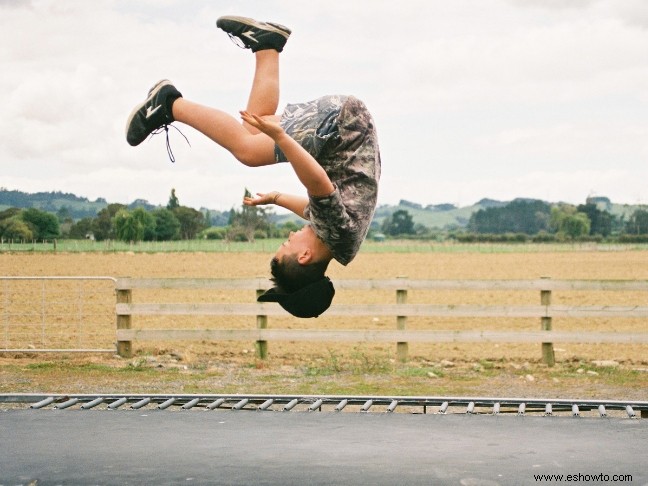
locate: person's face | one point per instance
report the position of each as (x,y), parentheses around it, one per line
(298,243)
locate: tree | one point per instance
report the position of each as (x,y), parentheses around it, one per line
(638,223)
(248,221)
(567,221)
(127,227)
(102,226)
(147,221)
(600,221)
(518,216)
(399,223)
(15,229)
(44,226)
(167,226)
(173,201)
(191,222)
(81,229)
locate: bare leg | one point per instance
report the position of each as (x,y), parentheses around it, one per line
(264,95)
(245,142)
(250,149)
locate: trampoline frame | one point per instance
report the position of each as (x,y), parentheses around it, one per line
(332,403)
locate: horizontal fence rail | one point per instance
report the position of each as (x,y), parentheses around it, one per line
(400,311)
(379,336)
(409,310)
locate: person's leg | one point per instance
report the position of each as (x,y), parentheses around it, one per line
(264,95)
(250,149)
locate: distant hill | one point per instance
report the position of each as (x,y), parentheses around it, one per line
(449,216)
(77,207)
(436,216)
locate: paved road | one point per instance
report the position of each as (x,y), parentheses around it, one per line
(155,447)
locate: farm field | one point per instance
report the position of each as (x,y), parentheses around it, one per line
(584,371)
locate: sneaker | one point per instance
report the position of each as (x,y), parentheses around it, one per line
(255,35)
(152,114)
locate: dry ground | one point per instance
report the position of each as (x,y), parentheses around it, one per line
(444,369)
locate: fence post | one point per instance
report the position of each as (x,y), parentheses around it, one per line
(262,323)
(548,356)
(401,323)
(124,348)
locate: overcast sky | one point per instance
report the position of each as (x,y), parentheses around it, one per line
(472,98)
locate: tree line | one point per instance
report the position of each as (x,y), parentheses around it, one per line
(519,220)
(522,220)
(118,222)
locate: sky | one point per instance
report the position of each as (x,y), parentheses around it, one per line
(472,99)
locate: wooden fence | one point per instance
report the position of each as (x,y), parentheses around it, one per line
(544,312)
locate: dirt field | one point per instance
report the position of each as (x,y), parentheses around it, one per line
(443,369)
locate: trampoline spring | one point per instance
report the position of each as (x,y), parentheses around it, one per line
(215,404)
(67,404)
(521,408)
(496,408)
(548,410)
(315,406)
(42,403)
(602,411)
(241,404)
(266,405)
(290,405)
(166,403)
(443,408)
(92,403)
(117,403)
(341,405)
(470,409)
(367,405)
(631,413)
(575,410)
(190,404)
(143,402)
(392,406)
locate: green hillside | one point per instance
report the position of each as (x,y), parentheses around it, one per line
(434,216)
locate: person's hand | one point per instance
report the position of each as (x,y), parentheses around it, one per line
(261,199)
(267,125)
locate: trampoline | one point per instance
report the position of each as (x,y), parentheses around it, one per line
(262,439)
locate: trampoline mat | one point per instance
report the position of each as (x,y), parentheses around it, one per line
(256,448)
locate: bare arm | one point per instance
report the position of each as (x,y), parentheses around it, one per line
(310,173)
(296,204)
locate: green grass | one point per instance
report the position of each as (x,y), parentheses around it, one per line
(270,245)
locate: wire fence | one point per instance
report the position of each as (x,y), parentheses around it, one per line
(52,314)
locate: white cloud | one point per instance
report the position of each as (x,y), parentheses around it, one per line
(470,98)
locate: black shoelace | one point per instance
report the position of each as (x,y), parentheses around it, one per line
(165,128)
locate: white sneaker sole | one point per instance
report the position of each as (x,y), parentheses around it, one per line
(270,27)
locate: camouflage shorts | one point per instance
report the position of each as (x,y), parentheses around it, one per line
(331,129)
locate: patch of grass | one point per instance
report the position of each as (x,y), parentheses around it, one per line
(358,362)
(45,365)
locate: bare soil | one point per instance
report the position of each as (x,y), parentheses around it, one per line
(583,371)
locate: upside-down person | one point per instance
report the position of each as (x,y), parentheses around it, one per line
(330,143)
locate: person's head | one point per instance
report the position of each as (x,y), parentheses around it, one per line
(297,271)
(301,260)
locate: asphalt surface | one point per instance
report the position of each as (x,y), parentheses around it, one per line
(142,447)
